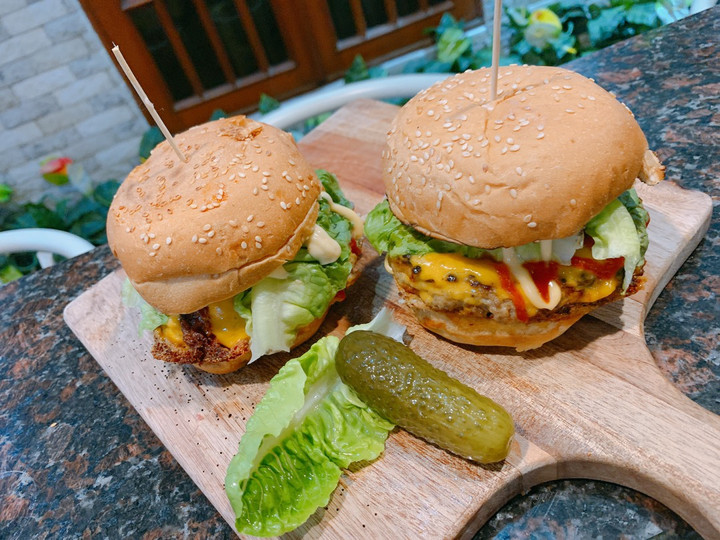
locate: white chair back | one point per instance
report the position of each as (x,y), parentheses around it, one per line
(45,242)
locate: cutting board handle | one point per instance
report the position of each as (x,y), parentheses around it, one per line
(642,448)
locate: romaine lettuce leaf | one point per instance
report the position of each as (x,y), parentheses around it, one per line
(308,426)
(274,309)
(640,216)
(150,318)
(614,233)
(279,307)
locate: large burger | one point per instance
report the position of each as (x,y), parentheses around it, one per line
(236,252)
(507,220)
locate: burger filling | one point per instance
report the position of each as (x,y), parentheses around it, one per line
(537,281)
(269,314)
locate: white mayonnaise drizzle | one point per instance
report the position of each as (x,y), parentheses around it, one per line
(546,249)
(322,246)
(347,213)
(528,285)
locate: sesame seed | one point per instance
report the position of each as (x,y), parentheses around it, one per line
(211,234)
(218,251)
(567,87)
(265,173)
(513,193)
(569,111)
(556,98)
(519,170)
(573,202)
(504,150)
(194,239)
(156,246)
(283,205)
(151,235)
(255,191)
(258,245)
(532,224)
(430,112)
(260,224)
(527,218)
(487,188)
(484,143)
(497,138)
(591,98)
(471,179)
(202,240)
(243,245)
(264,187)
(515,148)
(255,168)
(168,240)
(540,135)
(510,140)
(152,253)
(207,227)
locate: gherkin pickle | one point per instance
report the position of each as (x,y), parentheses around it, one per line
(422,399)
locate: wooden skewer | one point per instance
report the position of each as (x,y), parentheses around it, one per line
(497,19)
(148,104)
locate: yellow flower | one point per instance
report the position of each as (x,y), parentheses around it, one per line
(543,27)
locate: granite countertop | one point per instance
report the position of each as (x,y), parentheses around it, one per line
(76,460)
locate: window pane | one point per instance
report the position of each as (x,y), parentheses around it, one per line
(233,36)
(374,11)
(145,20)
(342,18)
(196,42)
(267,27)
(406,7)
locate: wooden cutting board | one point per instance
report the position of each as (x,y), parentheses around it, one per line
(591,404)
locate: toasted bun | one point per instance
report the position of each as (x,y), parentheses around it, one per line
(537,163)
(188,234)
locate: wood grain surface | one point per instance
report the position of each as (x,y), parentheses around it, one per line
(591,404)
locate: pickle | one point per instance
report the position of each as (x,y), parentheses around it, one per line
(427,402)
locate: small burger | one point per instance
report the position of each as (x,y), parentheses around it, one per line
(236,252)
(507,220)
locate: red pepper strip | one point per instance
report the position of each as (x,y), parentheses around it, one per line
(542,274)
(604,269)
(507,283)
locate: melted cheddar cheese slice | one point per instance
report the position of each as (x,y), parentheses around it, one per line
(225,323)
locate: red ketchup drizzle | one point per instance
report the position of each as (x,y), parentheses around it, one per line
(542,273)
(354,247)
(340,296)
(509,285)
(604,269)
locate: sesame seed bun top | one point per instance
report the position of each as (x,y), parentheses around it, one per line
(189,234)
(537,163)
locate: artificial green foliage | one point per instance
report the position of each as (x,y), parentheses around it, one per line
(150,139)
(83,215)
(267,103)
(5,193)
(566,30)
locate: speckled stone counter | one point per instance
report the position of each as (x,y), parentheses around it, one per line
(76,461)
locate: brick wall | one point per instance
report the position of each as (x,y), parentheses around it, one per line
(60,94)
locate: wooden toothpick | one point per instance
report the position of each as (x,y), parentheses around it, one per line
(148,104)
(495,48)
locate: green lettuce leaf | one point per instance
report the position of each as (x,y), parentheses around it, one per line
(640,217)
(150,318)
(308,426)
(274,309)
(331,185)
(279,307)
(614,233)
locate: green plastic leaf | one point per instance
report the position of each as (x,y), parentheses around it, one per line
(5,193)
(307,428)
(150,139)
(452,44)
(217,114)
(267,103)
(104,193)
(150,318)
(9,273)
(614,233)
(643,15)
(606,25)
(358,70)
